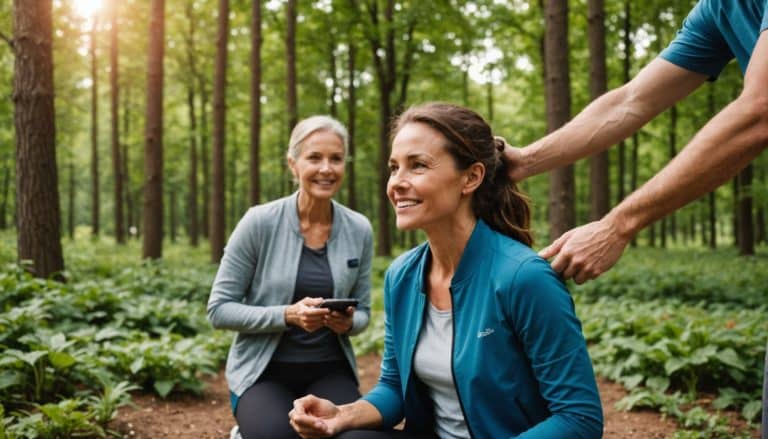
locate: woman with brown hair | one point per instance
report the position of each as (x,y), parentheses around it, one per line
(481,336)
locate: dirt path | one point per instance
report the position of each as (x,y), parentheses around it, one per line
(211,417)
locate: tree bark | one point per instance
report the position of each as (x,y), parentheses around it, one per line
(333,74)
(351,127)
(194,228)
(558,95)
(290,63)
(117,168)
(620,194)
(153,144)
(598,164)
(71,200)
(37,195)
(255,164)
(95,188)
(746,222)
(218,206)
(5,191)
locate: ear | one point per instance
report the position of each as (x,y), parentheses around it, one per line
(292,165)
(473,178)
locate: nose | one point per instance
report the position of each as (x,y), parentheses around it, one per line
(325,166)
(397,181)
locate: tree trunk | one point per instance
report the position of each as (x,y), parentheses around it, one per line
(558,94)
(599,181)
(746,223)
(620,194)
(254,175)
(712,221)
(290,63)
(153,143)
(351,122)
(71,200)
(127,192)
(6,193)
(218,206)
(736,210)
(95,188)
(194,228)
(333,74)
(672,153)
(37,195)
(117,168)
(172,214)
(489,98)
(634,172)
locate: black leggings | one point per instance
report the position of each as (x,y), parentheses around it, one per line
(262,411)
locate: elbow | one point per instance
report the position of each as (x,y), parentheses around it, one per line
(214,316)
(756,106)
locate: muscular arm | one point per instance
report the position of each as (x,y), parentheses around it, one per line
(726,144)
(607,120)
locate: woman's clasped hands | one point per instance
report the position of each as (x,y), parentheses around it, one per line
(308,315)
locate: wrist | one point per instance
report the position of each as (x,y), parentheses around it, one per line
(622,224)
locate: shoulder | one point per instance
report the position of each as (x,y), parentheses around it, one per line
(406,263)
(267,214)
(353,219)
(518,266)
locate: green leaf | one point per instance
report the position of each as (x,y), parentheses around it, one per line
(674,364)
(108,333)
(136,365)
(632,381)
(657,383)
(729,357)
(10,378)
(164,387)
(751,410)
(61,360)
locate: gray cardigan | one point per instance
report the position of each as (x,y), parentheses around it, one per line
(257,276)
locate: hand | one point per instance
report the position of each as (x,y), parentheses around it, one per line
(586,252)
(306,315)
(515,161)
(313,417)
(340,322)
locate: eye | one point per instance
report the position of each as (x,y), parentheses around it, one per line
(392,168)
(337,159)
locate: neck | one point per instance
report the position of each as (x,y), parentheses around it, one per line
(447,242)
(313,210)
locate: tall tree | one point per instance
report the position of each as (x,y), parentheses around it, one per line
(746,221)
(95,187)
(37,195)
(255,164)
(351,125)
(290,63)
(626,64)
(562,215)
(599,187)
(117,167)
(218,207)
(153,142)
(380,33)
(192,218)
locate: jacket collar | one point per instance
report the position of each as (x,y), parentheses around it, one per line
(473,253)
(293,216)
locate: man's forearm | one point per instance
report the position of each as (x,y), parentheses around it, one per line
(718,152)
(612,117)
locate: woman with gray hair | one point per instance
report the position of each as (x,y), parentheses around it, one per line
(282,263)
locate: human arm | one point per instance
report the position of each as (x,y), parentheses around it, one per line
(542,316)
(725,145)
(607,120)
(313,417)
(226,309)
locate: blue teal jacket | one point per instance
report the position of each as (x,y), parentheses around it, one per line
(519,359)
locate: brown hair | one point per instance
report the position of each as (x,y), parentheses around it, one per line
(469,140)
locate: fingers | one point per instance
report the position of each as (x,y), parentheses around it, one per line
(303,420)
(339,322)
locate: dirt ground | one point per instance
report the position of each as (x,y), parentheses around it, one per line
(210,416)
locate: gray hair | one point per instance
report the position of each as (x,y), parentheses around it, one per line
(310,125)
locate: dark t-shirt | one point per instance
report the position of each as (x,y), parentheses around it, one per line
(715,32)
(312,280)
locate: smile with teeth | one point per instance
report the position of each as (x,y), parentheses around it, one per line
(325,182)
(405,203)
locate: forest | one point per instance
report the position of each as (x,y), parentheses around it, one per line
(135,134)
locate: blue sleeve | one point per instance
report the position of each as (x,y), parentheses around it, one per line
(764,26)
(550,332)
(387,395)
(699,46)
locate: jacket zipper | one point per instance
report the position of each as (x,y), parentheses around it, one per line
(453,373)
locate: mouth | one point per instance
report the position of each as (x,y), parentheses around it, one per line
(324,183)
(406,203)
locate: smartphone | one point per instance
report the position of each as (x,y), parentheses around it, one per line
(338,304)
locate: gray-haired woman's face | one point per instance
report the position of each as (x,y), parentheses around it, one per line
(319,167)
